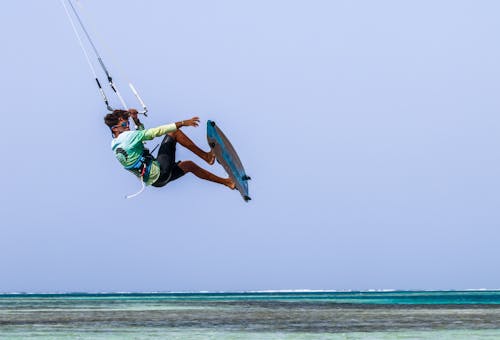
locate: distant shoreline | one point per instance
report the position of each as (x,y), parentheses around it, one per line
(271,291)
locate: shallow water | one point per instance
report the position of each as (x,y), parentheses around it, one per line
(304,315)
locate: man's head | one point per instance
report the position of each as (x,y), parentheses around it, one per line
(117,121)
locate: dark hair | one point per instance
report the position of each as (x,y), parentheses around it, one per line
(111,119)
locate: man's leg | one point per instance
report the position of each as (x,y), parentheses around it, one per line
(184,140)
(189,166)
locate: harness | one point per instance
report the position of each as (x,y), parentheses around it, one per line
(142,166)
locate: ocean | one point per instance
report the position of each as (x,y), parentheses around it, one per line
(253,315)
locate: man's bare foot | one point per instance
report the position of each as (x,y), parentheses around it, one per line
(210,159)
(230,184)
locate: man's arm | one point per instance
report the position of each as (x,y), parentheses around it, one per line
(139,126)
(135,118)
(164,129)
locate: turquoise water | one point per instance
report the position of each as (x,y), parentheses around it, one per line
(261,315)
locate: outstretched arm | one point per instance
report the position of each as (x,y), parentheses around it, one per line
(164,129)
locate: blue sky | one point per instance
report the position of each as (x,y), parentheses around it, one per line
(369,129)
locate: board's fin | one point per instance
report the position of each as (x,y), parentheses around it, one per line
(246,177)
(247,198)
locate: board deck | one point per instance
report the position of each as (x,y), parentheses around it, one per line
(226,155)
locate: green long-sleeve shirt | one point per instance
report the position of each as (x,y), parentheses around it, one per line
(128,147)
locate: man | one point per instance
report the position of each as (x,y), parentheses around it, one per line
(129,150)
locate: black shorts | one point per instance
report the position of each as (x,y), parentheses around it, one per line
(169,169)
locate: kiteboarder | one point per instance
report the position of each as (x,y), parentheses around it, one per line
(128,145)
(130,151)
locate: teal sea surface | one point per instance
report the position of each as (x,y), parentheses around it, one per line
(253,315)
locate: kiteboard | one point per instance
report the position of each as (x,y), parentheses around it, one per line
(228,158)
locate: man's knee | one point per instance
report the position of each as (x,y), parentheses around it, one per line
(174,134)
(187,166)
